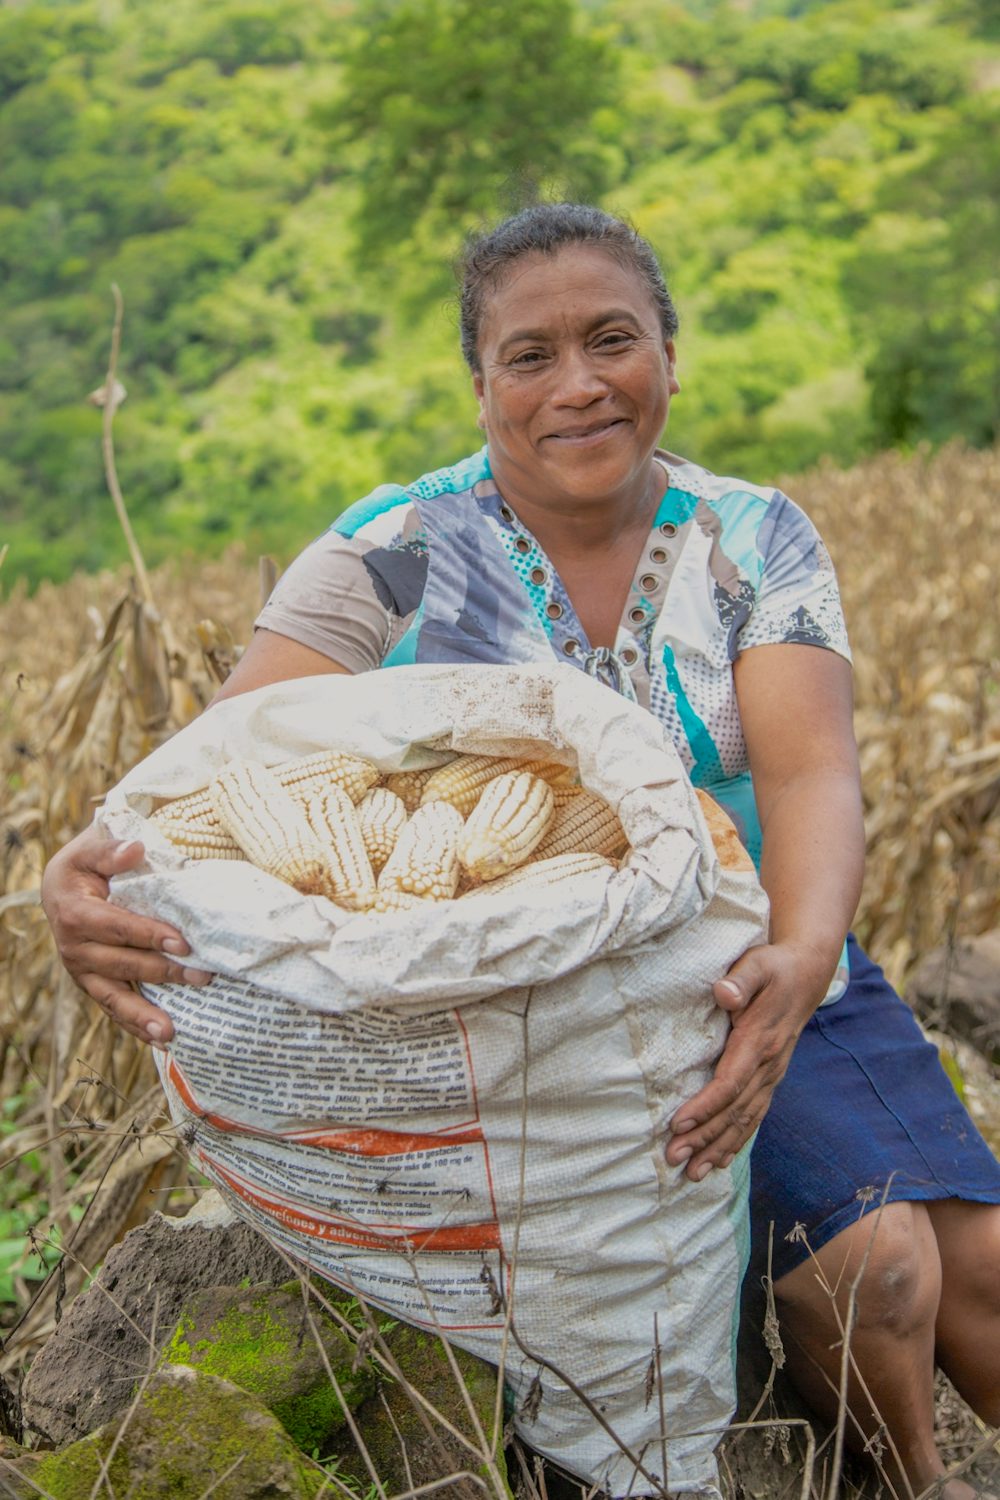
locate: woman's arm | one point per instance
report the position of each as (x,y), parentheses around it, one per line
(796,705)
(107,949)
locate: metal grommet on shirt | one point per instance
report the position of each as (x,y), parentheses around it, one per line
(637,615)
(554,610)
(629,656)
(522,544)
(539,576)
(571,646)
(506,512)
(658,555)
(649,583)
(668,528)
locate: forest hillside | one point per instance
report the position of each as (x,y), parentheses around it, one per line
(278,188)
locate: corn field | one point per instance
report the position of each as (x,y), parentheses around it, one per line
(95,673)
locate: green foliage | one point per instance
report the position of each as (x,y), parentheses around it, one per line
(278,188)
(463,104)
(925,284)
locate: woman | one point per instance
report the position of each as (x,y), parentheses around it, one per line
(713,603)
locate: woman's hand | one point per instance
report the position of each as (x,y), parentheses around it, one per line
(770,993)
(105,948)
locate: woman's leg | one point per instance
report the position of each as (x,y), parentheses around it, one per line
(892,1340)
(968,1324)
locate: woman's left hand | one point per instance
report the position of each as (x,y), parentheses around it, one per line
(770,993)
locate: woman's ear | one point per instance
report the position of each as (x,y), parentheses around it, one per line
(479,390)
(672,381)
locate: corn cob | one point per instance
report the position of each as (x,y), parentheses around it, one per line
(198,841)
(425,859)
(334,820)
(408,786)
(309,773)
(582,823)
(728,847)
(397,901)
(381,815)
(269,825)
(195,809)
(544,874)
(464,780)
(506,825)
(301,777)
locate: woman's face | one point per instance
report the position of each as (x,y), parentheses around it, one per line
(576,379)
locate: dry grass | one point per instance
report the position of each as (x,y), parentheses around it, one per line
(917,543)
(92,677)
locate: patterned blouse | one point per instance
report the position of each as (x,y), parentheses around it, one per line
(442,570)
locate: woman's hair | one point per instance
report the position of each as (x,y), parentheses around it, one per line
(543,230)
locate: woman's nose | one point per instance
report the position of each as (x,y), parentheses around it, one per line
(578,381)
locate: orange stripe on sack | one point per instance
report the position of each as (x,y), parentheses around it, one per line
(338,1231)
(360,1142)
(382,1142)
(183,1088)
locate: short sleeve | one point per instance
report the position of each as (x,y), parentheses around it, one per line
(328,600)
(797,600)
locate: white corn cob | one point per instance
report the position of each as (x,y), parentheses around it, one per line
(397,901)
(545,873)
(506,825)
(381,815)
(334,820)
(582,823)
(309,773)
(269,825)
(425,859)
(301,777)
(198,841)
(464,780)
(195,809)
(408,786)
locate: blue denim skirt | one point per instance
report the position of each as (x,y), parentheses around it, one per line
(865,1114)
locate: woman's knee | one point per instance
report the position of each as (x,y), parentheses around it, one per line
(889,1257)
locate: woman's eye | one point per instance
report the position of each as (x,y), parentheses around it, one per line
(613,340)
(528,357)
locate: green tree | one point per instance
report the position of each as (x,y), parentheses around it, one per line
(926,292)
(464,106)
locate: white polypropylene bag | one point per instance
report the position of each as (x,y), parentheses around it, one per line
(459,1112)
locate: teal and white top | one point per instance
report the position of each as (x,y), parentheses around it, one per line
(442,570)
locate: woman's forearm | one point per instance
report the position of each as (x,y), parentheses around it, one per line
(812,866)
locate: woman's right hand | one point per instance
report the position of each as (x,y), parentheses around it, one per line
(106,948)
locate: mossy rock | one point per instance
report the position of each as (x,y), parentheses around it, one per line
(266,1341)
(390,1421)
(189,1431)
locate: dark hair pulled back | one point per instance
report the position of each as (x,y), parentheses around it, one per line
(544,229)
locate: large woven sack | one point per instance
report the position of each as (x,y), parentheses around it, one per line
(459,1112)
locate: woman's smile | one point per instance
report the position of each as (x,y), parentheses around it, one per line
(591,434)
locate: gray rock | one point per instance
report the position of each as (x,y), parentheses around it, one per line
(110,1336)
(957,989)
(188,1432)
